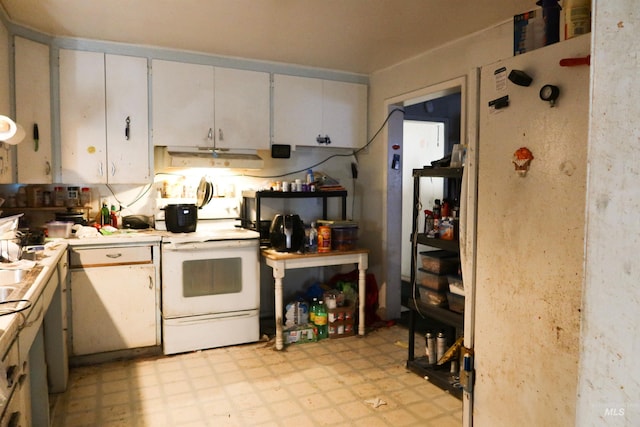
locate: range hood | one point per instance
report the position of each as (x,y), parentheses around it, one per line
(201,157)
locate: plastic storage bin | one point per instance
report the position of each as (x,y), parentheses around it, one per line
(440,262)
(59,229)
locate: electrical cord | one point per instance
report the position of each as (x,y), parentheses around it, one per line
(355,152)
(16,310)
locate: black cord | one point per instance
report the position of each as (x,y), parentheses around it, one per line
(18,310)
(334,155)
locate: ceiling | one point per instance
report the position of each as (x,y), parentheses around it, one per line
(359,36)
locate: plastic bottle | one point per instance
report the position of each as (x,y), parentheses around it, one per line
(313,239)
(105,215)
(113,216)
(313,310)
(310,177)
(436,215)
(321,320)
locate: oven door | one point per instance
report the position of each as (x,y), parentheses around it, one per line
(210,277)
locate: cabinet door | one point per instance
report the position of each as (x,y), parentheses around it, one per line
(113,308)
(33,107)
(127,100)
(344,113)
(242,109)
(182,104)
(82,117)
(297,110)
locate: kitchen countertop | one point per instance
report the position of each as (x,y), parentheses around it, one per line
(30,288)
(118,238)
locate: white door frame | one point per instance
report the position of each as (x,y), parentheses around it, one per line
(468,86)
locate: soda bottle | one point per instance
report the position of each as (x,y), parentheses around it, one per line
(313,310)
(320,320)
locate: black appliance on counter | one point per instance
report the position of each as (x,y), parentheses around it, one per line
(287,233)
(181,218)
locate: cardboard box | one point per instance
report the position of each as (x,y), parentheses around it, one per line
(528,31)
(341,320)
(300,334)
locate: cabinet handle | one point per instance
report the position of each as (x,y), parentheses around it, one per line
(47,168)
(118,255)
(220,135)
(210,135)
(100,170)
(113,169)
(127,128)
(150,282)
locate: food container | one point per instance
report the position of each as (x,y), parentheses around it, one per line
(440,262)
(344,234)
(59,229)
(431,297)
(432,281)
(455,285)
(456,302)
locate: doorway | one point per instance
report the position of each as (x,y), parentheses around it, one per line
(454,104)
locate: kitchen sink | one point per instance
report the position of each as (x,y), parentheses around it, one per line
(11,277)
(5,293)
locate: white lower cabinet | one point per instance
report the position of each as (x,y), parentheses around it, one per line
(114,301)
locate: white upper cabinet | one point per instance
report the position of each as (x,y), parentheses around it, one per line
(182,104)
(308,108)
(204,106)
(127,119)
(98,93)
(242,109)
(33,108)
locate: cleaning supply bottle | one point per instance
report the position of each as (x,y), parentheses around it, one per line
(312,246)
(113,216)
(105,215)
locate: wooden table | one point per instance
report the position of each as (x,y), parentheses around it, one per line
(282,261)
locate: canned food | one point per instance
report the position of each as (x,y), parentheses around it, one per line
(324,238)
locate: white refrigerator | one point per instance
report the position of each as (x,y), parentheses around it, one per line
(530,238)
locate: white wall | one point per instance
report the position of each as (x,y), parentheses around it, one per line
(609,375)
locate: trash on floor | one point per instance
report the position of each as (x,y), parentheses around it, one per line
(376,402)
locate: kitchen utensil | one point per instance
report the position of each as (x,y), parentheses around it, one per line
(205,192)
(181,218)
(287,233)
(136,222)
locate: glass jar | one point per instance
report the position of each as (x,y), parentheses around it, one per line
(59,196)
(73,197)
(85,197)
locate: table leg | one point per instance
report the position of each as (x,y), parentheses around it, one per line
(278,275)
(362,293)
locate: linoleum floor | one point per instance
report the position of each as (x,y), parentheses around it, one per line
(350,381)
